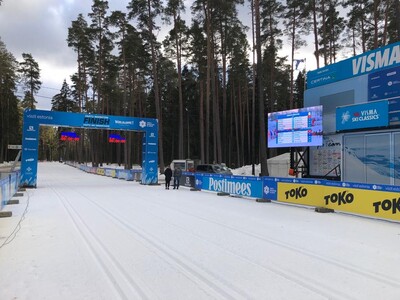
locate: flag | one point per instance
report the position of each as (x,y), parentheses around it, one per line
(297,62)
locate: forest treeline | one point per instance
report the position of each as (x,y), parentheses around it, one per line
(209,88)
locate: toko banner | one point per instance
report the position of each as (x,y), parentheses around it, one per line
(379,201)
(33,119)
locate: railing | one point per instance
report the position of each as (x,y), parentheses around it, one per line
(129,175)
(8,187)
(336,170)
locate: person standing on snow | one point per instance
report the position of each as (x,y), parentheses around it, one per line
(168,175)
(177,177)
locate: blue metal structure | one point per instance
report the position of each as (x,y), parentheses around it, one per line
(33,119)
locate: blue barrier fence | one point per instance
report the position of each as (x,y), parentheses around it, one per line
(375,200)
(379,201)
(129,175)
(248,186)
(8,187)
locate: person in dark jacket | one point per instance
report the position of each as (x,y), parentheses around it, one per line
(177,177)
(168,175)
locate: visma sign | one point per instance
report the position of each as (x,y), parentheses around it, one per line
(368,115)
(378,59)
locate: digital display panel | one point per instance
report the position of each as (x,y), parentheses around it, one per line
(116,139)
(295,128)
(69,136)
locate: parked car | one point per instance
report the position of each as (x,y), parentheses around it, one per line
(213,168)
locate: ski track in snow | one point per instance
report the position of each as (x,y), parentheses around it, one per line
(149,243)
(109,264)
(161,250)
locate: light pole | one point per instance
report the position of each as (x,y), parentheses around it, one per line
(188,133)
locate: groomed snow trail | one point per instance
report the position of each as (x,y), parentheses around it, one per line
(86,236)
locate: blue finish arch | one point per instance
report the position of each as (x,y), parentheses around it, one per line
(33,119)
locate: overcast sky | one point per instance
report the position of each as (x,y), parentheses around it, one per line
(40,27)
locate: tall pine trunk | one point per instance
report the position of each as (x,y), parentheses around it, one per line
(179,65)
(201,122)
(260,81)
(315,29)
(253,102)
(208,82)
(156,91)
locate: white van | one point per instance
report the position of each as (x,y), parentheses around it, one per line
(186,165)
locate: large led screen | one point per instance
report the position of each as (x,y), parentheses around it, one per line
(295,128)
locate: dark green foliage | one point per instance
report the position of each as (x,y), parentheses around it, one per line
(10,113)
(299,90)
(63,101)
(394,22)
(30,75)
(334,26)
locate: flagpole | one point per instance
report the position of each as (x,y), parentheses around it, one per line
(305,76)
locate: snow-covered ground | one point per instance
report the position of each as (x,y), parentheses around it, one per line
(84,236)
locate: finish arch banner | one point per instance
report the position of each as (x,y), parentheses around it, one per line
(33,119)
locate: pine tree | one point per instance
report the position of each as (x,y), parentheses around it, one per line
(191,97)
(170,109)
(260,92)
(119,20)
(299,89)
(295,29)
(203,11)
(393,27)
(228,31)
(271,12)
(30,75)
(198,59)
(357,19)
(334,26)
(63,101)
(10,117)
(100,39)
(78,39)
(313,9)
(145,11)
(238,136)
(173,10)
